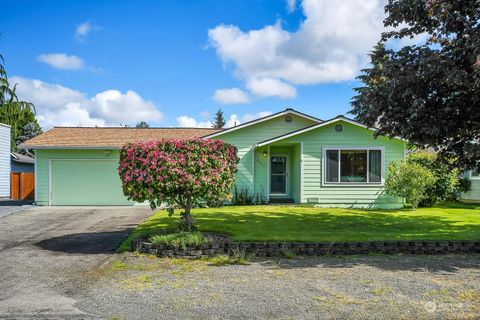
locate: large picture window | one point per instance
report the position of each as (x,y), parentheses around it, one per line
(353,165)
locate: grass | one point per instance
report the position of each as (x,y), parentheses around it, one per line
(180,239)
(236,256)
(451,221)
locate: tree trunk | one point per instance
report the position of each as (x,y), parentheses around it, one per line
(188,215)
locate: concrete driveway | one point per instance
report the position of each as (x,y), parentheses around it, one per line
(44,252)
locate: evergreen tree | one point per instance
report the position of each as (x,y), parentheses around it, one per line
(142,125)
(219,121)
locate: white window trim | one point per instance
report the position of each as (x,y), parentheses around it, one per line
(353,184)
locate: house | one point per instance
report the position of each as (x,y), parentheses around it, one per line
(5,160)
(473,195)
(288,156)
(21,163)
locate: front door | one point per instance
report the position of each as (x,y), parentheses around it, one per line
(278,175)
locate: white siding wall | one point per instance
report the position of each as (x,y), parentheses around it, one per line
(4,160)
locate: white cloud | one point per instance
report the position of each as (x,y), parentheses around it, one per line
(62,61)
(57,105)
(331,45)
(271,87)
(189,122)
(233,120)
(230,96)
(83,30)
(291,5)
(116,107)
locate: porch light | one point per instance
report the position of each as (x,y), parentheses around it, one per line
(265,154)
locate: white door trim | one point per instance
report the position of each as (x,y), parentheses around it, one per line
(287,174)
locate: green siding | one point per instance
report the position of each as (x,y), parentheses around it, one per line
(93,180)
(245,138)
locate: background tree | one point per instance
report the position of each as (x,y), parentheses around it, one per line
(30,130)
(14,112)
(142,124)
(219,121)
(180,173)
(427,93)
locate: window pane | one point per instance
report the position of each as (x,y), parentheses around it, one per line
(375,163)
(279,165)
(278,184)
(353,166)
(332,166)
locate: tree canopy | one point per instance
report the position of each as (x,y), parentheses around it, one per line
(179,173)
(14,112)
(427,93)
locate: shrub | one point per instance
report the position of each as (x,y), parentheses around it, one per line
(408,180)
(180,173)
(180,240)
(242,197)
(446,179)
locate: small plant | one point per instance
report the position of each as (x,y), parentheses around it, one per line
(242,197)
(235,256)
(409,181)
(180,240)
(288,253)
(260,197)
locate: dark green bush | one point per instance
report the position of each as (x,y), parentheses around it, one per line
(180,240)
(464,184)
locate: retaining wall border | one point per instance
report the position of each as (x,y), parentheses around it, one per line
(269,249)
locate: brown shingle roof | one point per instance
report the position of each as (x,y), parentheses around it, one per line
(95,137)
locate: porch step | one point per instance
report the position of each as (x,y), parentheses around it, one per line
(281,200)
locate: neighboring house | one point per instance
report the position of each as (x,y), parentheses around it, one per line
(21,163)
(474,194)
(4,160)
(287,157)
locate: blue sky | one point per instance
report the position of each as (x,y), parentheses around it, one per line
(175,62)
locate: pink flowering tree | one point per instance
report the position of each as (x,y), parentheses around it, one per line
(180,173)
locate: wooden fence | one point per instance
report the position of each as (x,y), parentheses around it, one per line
(22,185)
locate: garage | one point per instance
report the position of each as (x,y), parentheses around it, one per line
(77,166)
(85,182)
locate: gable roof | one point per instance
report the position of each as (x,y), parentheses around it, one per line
(272,116)
(109,137)
(315,126)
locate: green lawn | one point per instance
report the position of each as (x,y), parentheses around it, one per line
(300,223)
